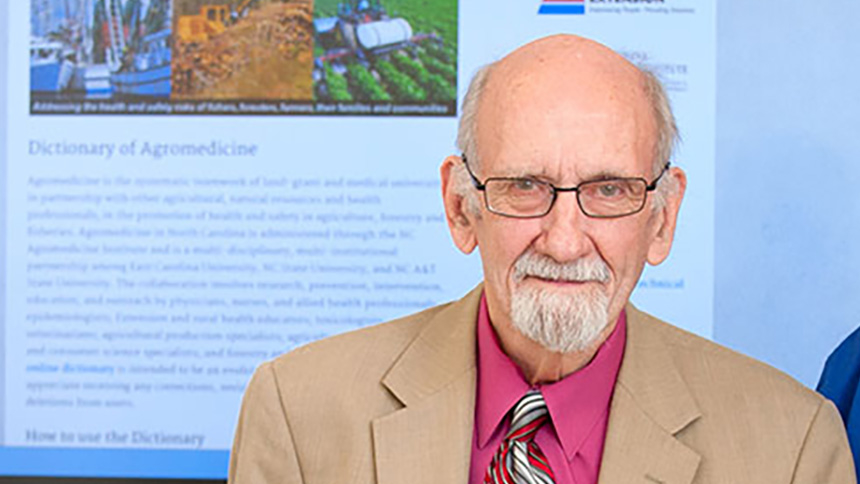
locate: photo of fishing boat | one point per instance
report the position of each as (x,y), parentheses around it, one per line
(49,70)
(100,49)
(147,71)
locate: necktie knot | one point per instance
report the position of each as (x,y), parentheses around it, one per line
(529,414)
(519,460)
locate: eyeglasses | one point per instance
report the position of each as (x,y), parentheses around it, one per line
(531,198)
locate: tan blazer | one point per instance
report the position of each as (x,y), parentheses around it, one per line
(394,404)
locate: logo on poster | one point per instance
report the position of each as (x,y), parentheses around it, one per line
(577,7)
(562,7)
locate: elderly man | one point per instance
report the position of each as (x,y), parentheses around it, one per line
(544,373)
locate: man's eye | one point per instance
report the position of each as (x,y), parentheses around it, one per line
(524,185)
(609,190)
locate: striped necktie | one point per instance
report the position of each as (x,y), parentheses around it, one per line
(519,460)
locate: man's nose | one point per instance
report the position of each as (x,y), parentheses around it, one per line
(564,236)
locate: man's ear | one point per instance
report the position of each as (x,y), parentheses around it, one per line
(461,222)
(666,219)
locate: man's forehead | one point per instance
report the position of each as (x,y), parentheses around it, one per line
(557,143)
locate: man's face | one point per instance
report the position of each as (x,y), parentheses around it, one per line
(566,235)
(565,134)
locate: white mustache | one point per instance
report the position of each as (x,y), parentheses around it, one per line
(580,270)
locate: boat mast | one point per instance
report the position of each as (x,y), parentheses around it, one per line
(45,18)
(85,49)
(116,34)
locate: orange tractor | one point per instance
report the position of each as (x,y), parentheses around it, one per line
(211,21)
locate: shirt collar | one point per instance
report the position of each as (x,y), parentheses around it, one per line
(576,403)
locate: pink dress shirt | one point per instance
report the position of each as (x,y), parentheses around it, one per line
(578,406)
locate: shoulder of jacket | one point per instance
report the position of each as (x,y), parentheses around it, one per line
(719,368)
(374,346)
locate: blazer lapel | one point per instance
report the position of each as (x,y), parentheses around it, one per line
(429,439)
(651,404)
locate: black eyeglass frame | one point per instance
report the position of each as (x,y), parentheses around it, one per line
(482,187)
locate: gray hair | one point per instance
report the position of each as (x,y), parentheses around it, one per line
(467,139)
(667,135)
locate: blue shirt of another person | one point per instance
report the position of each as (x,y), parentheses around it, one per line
(839,382)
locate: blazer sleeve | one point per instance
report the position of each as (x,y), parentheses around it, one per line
(825,457)
(263,449)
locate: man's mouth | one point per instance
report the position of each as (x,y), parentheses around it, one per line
(562,282)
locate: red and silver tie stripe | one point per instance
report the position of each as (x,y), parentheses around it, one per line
(519,460)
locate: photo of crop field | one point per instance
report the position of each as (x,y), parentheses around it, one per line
(395,51)
(243,49)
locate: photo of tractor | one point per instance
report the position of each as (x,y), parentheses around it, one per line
(401,52)
(243,50)
(212,20)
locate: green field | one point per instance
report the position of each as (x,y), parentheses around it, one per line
(425,16)
(426,73)
(438,16)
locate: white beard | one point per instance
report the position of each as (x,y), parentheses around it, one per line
(559,321)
